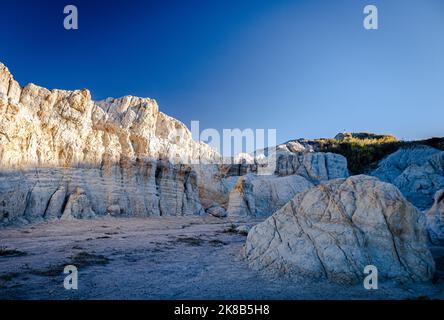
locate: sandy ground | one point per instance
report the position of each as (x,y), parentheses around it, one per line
(159,258)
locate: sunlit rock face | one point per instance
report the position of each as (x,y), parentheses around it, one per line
(43,127)
(120,156)
(417,171)
(334,230)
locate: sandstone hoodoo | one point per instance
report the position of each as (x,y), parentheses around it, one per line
(334,230)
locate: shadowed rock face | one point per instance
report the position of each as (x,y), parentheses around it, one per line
(148,188)
(417,171)
(435,219)
(334,230)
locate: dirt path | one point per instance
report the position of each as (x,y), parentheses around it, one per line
(156,258)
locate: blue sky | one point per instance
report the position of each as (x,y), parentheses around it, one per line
(306,68)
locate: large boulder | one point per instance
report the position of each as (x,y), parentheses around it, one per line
(334,230)
(417,171)
(435,219)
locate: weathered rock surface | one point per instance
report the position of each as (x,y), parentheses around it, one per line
(244,229)
(77,206)
(63,155)
(260,196)
(314,166)
(297,145)
(344,136)
(217,211)
(435,219)
(332,231)
(417,171)
(55,142)
(141,189)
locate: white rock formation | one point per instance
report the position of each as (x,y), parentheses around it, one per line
(435,219)
(314,166)
(66,128)
(259,196)
(296,146)
(63,155)
(332,231)
(77,206)
(417,171)
(53,142)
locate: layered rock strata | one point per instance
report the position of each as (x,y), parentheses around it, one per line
(120,156)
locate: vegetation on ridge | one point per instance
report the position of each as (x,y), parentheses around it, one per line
(364,150)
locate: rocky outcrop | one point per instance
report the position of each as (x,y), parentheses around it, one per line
(260,196)
(417,171)
(60,128)
(139,189)
(297,145)
(77,206)
(127,156)
(435,219)
(216,210)
(332,231)
(63,155)
(314,166)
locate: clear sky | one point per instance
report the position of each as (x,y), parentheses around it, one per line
(306,68)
